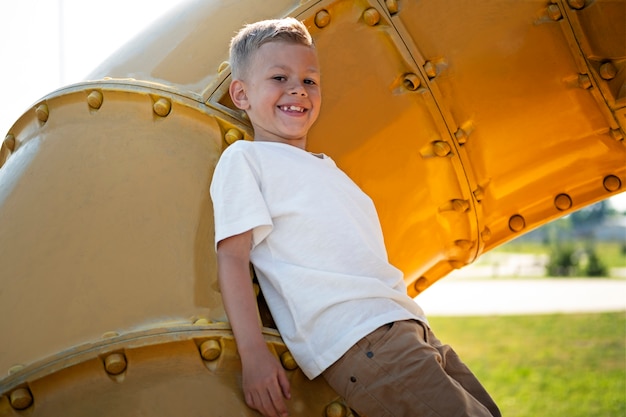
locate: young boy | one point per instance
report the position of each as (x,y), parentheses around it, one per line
(316,244)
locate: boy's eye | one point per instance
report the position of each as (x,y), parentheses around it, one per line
(309,81)
(280,78)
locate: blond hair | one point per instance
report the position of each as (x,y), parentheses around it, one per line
(250,38)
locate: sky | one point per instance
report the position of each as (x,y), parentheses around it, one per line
(47,44)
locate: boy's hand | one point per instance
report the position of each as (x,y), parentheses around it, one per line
(265,384)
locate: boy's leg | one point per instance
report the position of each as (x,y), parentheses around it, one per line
(461,373)
(394,371)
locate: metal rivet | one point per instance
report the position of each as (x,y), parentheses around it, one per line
(485,235)
(370,354)
(456,264)
(461,136)
(612,183)
(223,66)
(94,99)
(584,81)
(162,107)
(352,379)
(421,284)
(9,142)
(392,6)
(201,322)
(460,206)
(411,81)
(232,136)
(15,369)
(336,409)
(288,361)
(441,148)
(322,19)
(517,223)
(479,193)
(371,16)
(21,398)
(576,4)
(430,69)
(463,244)
(554,12)
(617,134)
(563,202)
(42,112)
(608,71)
(115,363)
(210,350)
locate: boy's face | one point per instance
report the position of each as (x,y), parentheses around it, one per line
(280,92)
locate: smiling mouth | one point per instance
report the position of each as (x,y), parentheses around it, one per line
(297,109)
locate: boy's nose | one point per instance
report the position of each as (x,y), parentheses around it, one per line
(298,89)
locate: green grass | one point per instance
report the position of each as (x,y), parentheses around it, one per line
(611,253)
(545,365)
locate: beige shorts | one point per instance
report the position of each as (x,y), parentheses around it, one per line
(402,369)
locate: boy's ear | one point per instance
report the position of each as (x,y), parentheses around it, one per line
(238,94)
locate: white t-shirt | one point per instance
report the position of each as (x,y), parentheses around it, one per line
(317,248)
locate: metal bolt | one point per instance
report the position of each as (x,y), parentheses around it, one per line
(485,235)
(461,136)
(554,12)
(576,4)
(115,363)
(517,223)
(210,350)
(460,206)
(617,134)
(288,361)
(612,183)
(608,71)
(322,19)
(21,398)
(456,264)
(479,193)
(224,65)
(9,142)
(42,112)
(94,99)
(584,81)
(201,322)
(563,202)
(463,244)
(392,6)
(441,148)
(411,81)
(232,136)
(371,16)
(15,369)
(430,69)
(162,107)
(421,284)
(336,409)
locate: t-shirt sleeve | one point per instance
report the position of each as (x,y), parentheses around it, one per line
(238,203)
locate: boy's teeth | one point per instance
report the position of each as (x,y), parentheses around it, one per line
(293,108)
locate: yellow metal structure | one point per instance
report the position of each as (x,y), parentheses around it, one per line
(469,123)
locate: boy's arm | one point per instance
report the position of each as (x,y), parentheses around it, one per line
(264,379)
